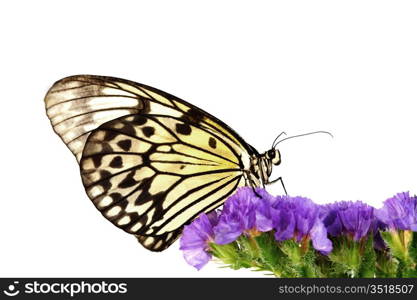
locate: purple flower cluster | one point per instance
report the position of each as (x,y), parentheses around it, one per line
(349,218)
(298,217)
(399,212)
(249,213)
(242,212)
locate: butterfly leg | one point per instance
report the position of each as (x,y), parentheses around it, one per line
(252,184)
(255,192)
(282,183)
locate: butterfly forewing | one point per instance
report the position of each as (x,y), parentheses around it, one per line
(149,161)
(79,104)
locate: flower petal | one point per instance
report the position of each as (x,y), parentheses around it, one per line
(319,238)
(196,257)
(195,238)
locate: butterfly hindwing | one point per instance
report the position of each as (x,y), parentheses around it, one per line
(151,174)
(160,242)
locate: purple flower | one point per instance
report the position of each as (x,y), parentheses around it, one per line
(331,220)
(196,237)
(263,211)
(284,223)
(298,217)
(347,217)
(243,212)
(399,212)
(321,242)
(379,242)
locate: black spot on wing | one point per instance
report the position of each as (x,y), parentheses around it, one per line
(148,131)
(212,142)
(116,162)
(128,129)
(110,135)
(106,148)
(139,120)
(128,181)
(97,160)
(194,115)
(182,128)
(125,144)
(116,197)
(105,182)
(120,126)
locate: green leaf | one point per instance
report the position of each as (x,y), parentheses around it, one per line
(292,250)
(230,255)
(246,247)
(346,257)
(411,267)
(302,260)
(309,266)
(271,256)
(386,264)
(367,266)
(400,269)
(397,243)
(325,267)
(412,249)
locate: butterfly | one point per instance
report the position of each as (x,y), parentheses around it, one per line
(149,161)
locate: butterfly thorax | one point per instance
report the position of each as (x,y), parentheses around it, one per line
(261,167)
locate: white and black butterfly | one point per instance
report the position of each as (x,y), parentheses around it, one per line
(149,161)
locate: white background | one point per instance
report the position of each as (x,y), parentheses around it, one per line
(349,67)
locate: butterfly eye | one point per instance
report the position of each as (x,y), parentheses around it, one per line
(271,154)
(276,160)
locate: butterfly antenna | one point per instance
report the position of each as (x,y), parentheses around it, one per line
(304,134)
(279,135)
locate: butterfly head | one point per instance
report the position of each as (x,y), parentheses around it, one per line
(274,156)
(265,162)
